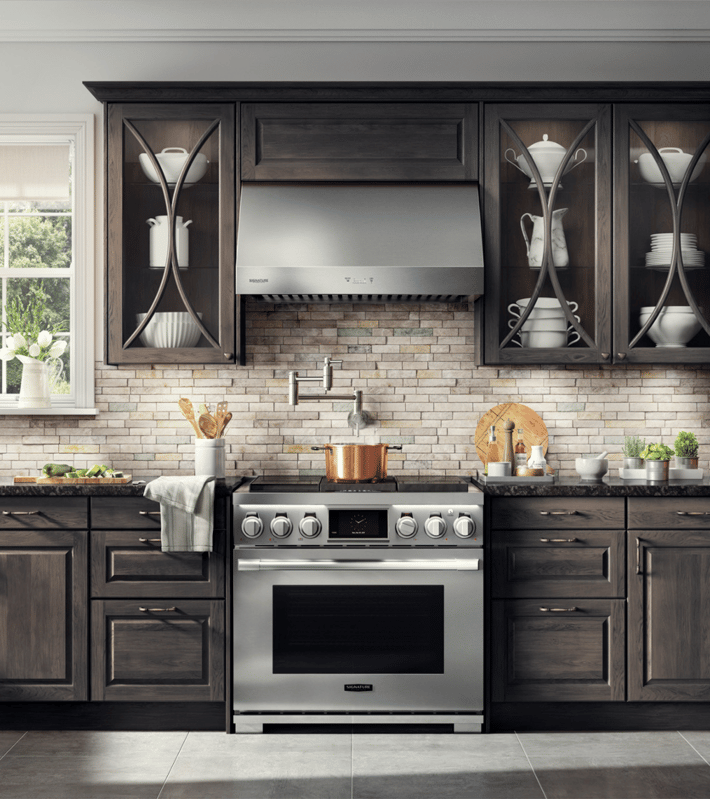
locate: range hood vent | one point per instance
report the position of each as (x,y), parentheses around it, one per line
(359,243)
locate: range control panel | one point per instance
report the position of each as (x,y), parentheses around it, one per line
(308,522)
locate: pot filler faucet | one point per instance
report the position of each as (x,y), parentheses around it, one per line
(357,417)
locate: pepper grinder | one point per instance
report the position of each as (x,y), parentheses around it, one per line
(508,449)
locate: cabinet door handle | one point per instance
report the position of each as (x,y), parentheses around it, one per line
(692,513)
(558,512)
(21,512)
(155,610)
(149,513)
(558,610)
(557,540)
(150,540)
(638,556)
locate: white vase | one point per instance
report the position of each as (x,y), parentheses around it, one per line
(209,456)
(537,457)
(38,379)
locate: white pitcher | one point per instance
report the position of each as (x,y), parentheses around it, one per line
(159,234)
(535,245)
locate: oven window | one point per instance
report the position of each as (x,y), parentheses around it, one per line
(392,629)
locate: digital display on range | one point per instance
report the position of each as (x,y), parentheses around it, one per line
(349,524)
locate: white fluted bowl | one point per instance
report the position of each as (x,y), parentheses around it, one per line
(170,329)
(674,327)
(172,160)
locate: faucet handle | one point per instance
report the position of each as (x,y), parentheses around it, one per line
(328,372)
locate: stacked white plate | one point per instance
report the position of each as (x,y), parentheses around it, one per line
(662,248)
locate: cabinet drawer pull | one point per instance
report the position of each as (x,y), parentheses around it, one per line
(558,540)
(155,610)
(692,513)
(150,540)
(638,556)
(558,512)
(21,512)
(558,610)
(149,513)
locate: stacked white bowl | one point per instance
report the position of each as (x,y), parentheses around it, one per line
(662,247)
(674,326)
(170,329)
(546,326)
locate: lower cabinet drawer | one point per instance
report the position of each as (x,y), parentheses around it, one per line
(558,650)
(131,564)
(168,649)
(567,563)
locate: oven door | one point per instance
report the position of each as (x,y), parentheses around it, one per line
(358,630)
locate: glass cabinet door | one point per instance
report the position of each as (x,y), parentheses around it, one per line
(171,219)
(547,220)
(662,241)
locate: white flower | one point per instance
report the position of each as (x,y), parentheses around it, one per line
(34,350)
(19,341)
(7,353)
(44,339)
(57,348)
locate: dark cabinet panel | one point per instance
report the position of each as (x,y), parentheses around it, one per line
(43,513)
(669,513)
(560,650)
(359,141)
(169,649)
(554,564)
(138,513)
(669,616)
(558,513)
(43,615)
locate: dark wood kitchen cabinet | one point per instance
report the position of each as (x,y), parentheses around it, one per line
(171,242)
(43,599)
(388,141)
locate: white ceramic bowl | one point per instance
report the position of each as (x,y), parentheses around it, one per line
(545,303)
(172,160)
(591,468)
(671,329)
(676,162)
(541,339)
(674,309)
(170,329)
(555,323)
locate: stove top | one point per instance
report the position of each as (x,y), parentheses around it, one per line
(316,483)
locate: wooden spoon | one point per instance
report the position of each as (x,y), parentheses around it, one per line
(225,421)
(219,415)
(208,425)
(188,412)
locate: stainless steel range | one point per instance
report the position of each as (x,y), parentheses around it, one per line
(358,603)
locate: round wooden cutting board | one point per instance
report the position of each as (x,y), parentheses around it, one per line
(534,430)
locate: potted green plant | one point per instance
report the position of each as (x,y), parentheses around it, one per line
(686,450)
(656,459)
(632,449)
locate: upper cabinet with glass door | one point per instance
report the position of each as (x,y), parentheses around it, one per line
(662,245)
(171,218)
(548,246)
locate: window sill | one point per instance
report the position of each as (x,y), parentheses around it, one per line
(59,411)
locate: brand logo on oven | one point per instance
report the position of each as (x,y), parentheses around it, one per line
(357,686)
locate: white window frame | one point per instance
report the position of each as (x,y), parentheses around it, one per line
(79,127)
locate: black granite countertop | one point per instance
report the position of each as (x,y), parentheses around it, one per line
(608,487)
(223,488)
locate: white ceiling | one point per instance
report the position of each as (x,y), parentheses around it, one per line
(355,20)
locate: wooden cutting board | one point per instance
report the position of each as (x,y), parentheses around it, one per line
(75,480)
(534,429)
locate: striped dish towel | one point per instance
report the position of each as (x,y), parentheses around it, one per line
(186,512)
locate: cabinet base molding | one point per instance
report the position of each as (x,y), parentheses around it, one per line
(135,716)
(598,716)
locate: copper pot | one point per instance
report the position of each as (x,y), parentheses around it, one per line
(356,463)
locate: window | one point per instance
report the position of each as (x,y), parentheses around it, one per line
(47,245)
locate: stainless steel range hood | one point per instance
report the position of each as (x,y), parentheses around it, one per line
(359,242)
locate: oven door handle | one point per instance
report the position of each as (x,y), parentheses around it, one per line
(359,565)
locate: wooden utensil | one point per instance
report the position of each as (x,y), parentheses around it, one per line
(219,415)
(188,412)
(225,421)
(208,425)
(534,429)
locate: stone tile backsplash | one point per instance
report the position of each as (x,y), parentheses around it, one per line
(415,366)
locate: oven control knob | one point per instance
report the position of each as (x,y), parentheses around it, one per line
(310,526)
(464,526)
(406,526)
(281,526)
(435,526)
(252,526)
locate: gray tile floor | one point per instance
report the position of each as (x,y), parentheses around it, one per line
(199,765)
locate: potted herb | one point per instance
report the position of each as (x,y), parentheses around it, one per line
(632,449)
(656,459)
(686,450)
